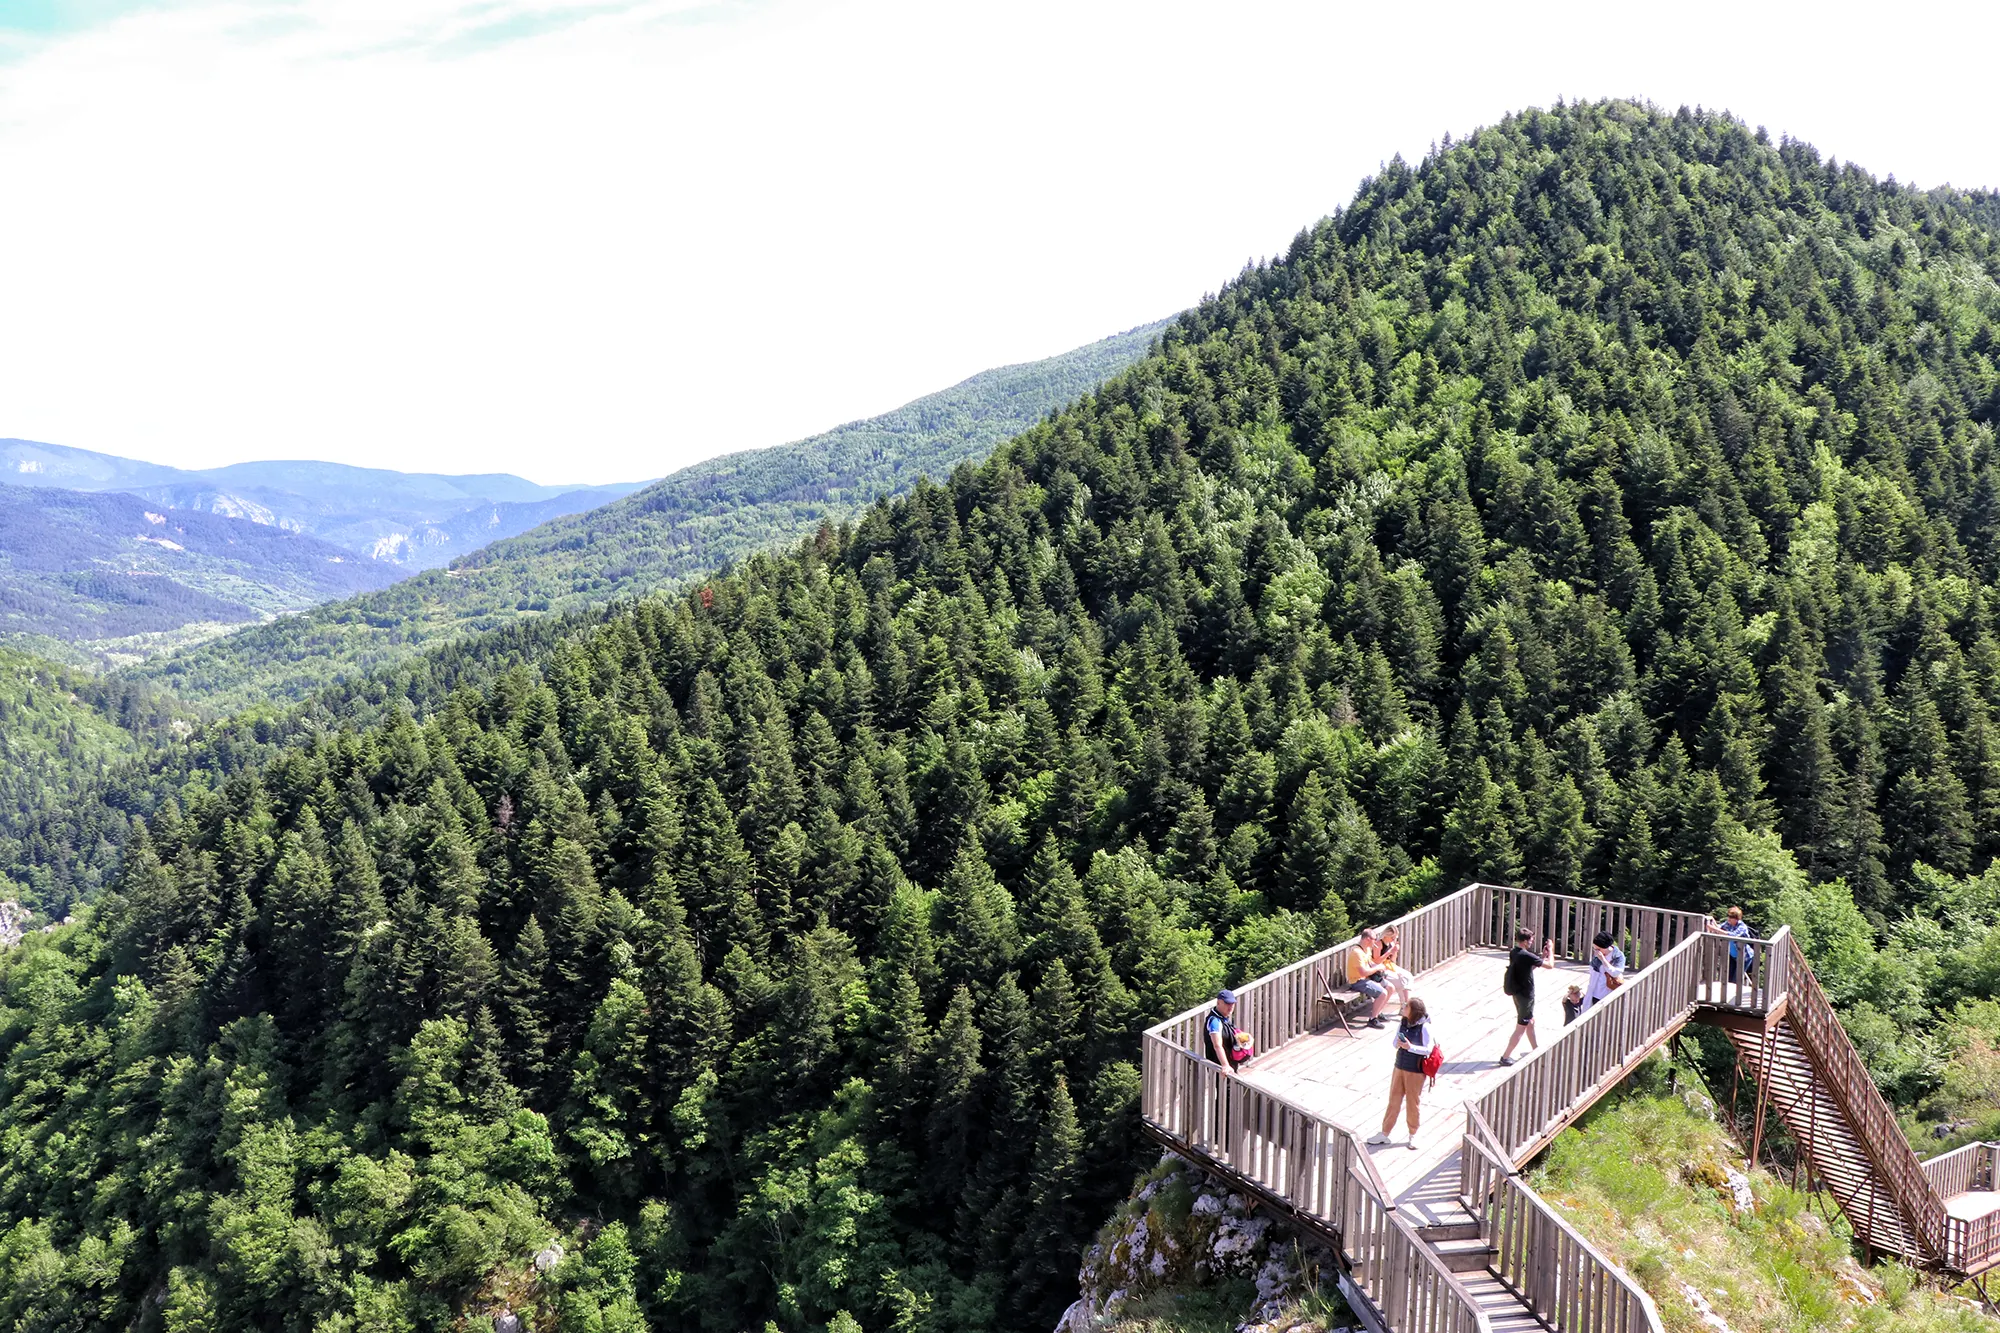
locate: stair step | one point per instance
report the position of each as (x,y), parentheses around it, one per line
(1437,1232)
(1471,1255)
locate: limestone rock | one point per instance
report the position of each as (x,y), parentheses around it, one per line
(1851,1289)
(1703,1311)
(13,920)
(1179,1228)
(1739,1191)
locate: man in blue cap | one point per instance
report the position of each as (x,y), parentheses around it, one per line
(1221,1035)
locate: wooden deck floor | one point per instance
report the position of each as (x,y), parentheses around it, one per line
(1346,1078)
(1972,1204)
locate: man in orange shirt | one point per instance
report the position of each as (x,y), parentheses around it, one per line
(1367,976)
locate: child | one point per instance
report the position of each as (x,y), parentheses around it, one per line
(1572,1005)
(1246,1046)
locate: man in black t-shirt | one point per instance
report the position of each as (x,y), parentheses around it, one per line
(1522,963)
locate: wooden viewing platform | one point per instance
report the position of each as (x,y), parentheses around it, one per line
(1343,1076)
(1447,1238)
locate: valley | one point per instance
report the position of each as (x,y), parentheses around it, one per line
(411,520)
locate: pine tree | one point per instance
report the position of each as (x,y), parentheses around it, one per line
(1561,841)
(952,1129)
(1308,873)
(521,994)
(1477,844)
(1055,1223)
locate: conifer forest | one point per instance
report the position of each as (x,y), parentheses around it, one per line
(1609,504)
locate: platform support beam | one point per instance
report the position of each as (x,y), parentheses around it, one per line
(1763,1098)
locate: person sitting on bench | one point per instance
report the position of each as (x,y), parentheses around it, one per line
(1368,977)
(1387,950)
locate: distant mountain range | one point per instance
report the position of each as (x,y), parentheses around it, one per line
(415,520)
(108,578)
(684,525)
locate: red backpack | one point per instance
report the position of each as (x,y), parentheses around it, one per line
(1434,1061)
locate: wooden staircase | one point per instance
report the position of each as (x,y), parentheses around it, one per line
(1845,1129)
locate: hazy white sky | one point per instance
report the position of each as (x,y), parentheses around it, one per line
(595,242)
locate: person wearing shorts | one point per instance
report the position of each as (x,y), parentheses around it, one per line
(1522,963)
(1366,976)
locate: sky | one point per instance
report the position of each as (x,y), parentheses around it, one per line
(599,241)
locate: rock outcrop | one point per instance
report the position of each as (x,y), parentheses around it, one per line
(13,920)
(1181,1232)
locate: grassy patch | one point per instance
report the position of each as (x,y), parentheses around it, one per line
(1643,1180)
(1211,1309)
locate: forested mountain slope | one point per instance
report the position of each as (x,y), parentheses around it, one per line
(1606,504)
(684,525)
(109,578)
(59,728)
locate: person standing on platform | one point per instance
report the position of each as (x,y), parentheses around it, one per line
(1607,970)
(1219,1031)
(1414,1045)
(1520,984)
(1742,958)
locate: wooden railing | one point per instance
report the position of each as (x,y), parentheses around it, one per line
(1962,1170)
(1560,1276)
(1848,1083)
(1269,1141)
(1582,1061)
(1756,982)
(1283,1004)
(1318,1169)
(1644,933)
(1972,1243)
(1404,1277)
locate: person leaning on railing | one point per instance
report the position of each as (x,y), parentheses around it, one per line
(1607,970)
(1221,1042)
(1742,958)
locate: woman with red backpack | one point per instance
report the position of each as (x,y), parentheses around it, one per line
(1418,1057)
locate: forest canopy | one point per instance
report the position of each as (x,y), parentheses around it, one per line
(1608,504)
